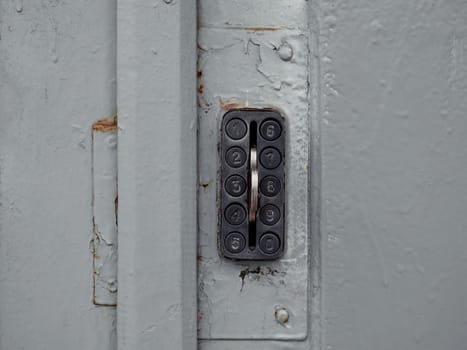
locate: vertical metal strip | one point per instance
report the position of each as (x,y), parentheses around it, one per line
(104,176)
(156,74)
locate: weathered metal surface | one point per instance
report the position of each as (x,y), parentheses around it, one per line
(157,174)
(57,77)
(388,87)
(394,184)
(105,204)
(240,66)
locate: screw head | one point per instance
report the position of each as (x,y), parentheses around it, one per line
(112,285)
(285,52)
(281,315)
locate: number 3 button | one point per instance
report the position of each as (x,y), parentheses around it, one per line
(235,185)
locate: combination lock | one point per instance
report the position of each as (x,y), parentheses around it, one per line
(252,193)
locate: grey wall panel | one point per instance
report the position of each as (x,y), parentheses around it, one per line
(242,63)
(394,185)
(57,77)
(157,174)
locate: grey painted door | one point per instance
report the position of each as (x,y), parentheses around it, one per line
(374,94)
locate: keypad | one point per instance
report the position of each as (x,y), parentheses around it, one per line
(252,141)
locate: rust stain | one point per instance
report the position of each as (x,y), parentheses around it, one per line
(202,103)
(204,184)
(105,125)
(227,105)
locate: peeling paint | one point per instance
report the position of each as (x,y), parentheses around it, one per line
(259,271)
(228,105)
(105,209)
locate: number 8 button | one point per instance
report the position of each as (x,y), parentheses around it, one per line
(270,186)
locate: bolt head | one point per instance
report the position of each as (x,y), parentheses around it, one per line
(285,52)
(281,315)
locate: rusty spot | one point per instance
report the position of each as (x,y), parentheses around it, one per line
(204,184)
(228,105)
(281,315)
(105,125)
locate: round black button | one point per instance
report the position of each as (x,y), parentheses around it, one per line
(235,157)
(270,130)
(270,158)
(236,129)
(269,214)
(235,185)
(235,242)
(270,186)
(269,243)
(235,214)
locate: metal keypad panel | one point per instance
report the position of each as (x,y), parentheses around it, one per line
(252,185)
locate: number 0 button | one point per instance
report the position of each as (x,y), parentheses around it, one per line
(270,214)
(269,243)
(235,185)
(235,214)
(235,157)
(270,158)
